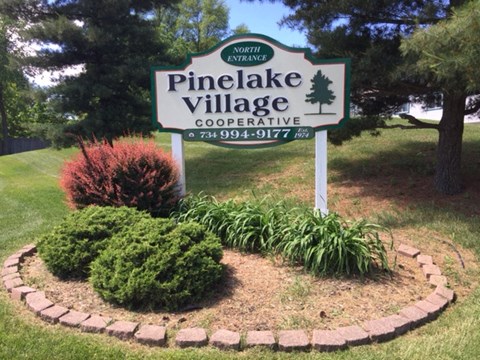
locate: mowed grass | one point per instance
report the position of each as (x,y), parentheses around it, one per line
(395,167)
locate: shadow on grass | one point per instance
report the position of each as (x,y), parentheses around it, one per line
(215,170)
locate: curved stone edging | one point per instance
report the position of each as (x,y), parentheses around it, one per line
(377,330)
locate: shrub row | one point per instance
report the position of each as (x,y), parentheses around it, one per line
(322,244)
(134,260)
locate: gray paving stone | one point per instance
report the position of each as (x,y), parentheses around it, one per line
(429,270)
(437,300)
(424,260)
(225,340)
(261,338)
(151,335)
(379,330)
(28,250)
(437,280)
(10,284)
(191,337)
(36,301)
(354,335)
(293,340)
(11,262)
(433,310)
(95,324)
(445,292)
(415,315)
(328,340)
(11,276)
(123,330)
(399,323)
(19,293)
(9,270)
(408,251)
(73,318)
(53,313)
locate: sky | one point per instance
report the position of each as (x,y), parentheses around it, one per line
(263,18)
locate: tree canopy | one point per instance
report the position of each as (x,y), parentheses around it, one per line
(450,50)
(370,33)
(114,42)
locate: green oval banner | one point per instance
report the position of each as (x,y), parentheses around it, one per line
(247,53)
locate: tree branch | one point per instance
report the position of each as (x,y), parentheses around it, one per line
(417,123)
(473,109)
(403,127)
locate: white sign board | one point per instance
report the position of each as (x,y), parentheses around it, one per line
(250,90)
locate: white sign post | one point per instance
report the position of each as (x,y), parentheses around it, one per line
(252,91)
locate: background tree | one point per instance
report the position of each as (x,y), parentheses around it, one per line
(114,42)
(202,23)
(20,109)
(194,26)
(370,33)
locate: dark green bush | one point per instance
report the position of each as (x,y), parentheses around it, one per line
(69,249)
(153,269)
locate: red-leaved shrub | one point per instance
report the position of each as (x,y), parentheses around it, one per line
(131,172)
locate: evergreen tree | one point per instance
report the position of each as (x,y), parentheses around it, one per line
(114,42)
(320,94)
(370,33)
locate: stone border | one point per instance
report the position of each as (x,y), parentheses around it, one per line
(372,331)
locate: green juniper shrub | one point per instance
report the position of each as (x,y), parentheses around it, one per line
(153,269)
(71,246)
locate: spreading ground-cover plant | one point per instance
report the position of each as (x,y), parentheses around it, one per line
(133,259)
(323,244)
(152,269)
(72,245)
(129,172)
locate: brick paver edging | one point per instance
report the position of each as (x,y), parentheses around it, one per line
(376,330)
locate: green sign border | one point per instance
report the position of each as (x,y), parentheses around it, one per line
(308,56)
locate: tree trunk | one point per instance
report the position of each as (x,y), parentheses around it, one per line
(448,177)
(3,115)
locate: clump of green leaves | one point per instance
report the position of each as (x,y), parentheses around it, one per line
(155,268)
(71,246)
(328,244)
(323,244)
(133,259)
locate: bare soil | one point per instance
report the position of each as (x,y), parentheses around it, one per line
(259,293)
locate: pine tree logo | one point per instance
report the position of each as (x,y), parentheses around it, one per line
(320,94)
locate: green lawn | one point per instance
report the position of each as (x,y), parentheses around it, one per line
(395,168)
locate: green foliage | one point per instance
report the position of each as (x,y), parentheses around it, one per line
(194,26)
(246,226)
(450,49)
(322,244)
(114,43)
(71,246)
(354,128)
(152,268)
(330,245)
